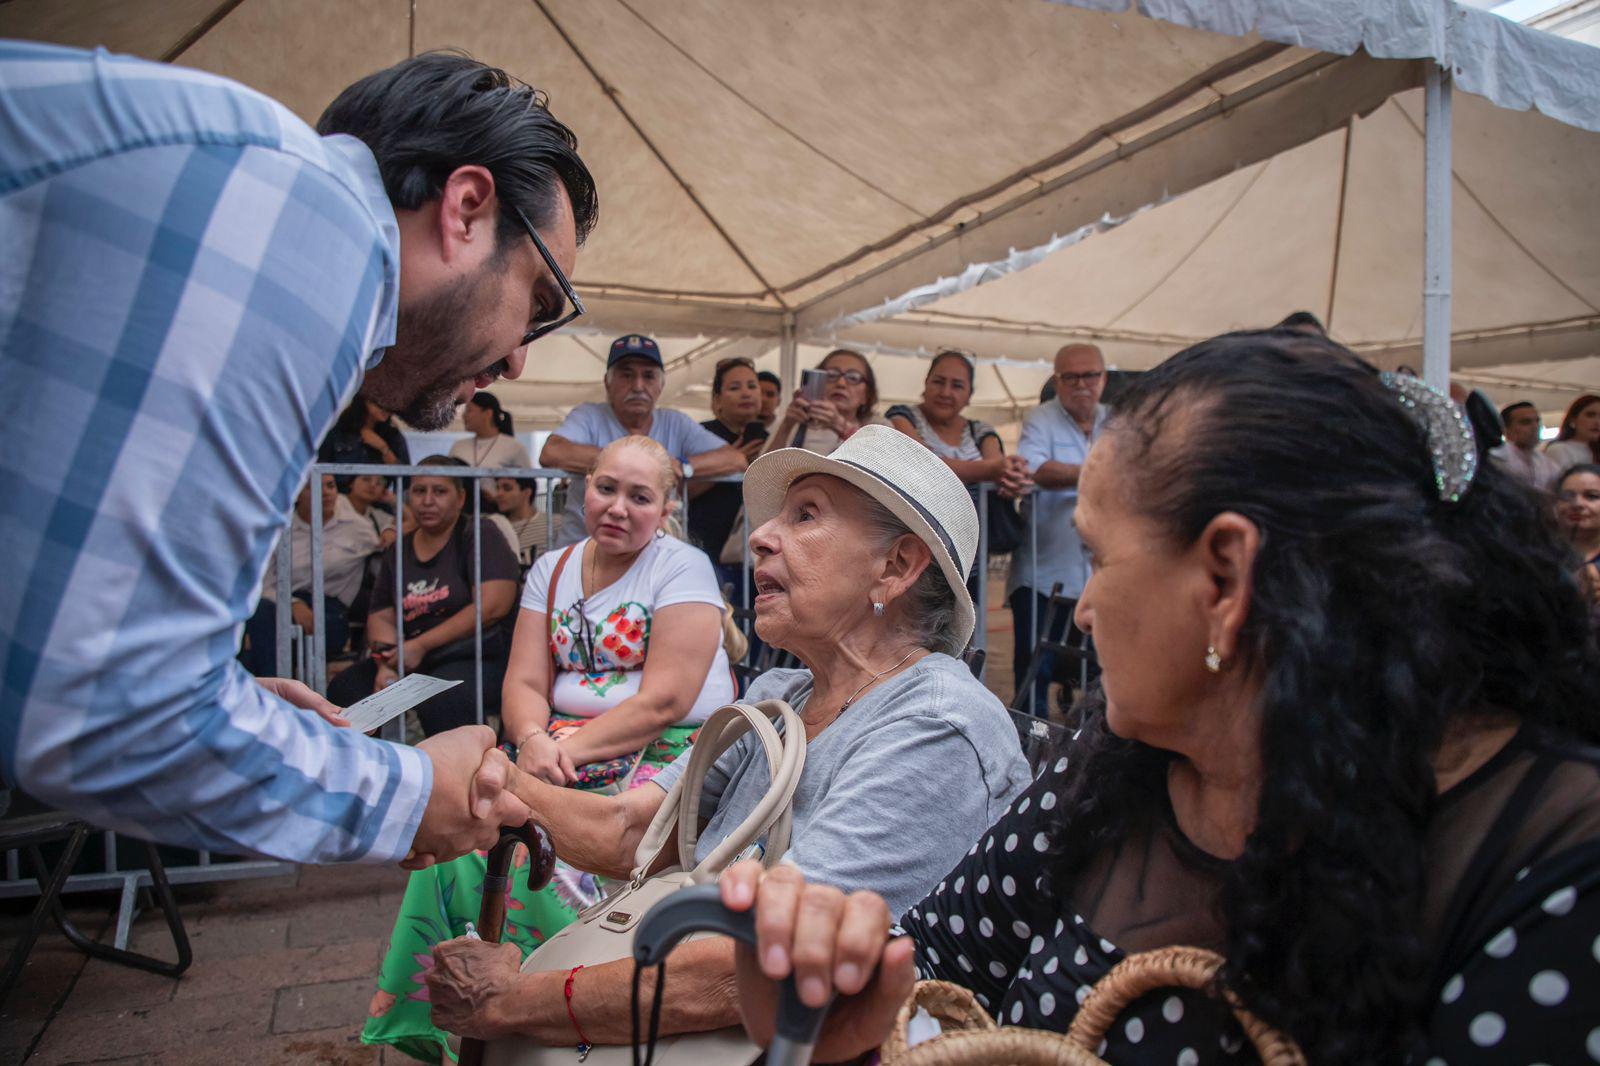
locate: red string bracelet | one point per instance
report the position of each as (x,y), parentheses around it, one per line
(583,1041)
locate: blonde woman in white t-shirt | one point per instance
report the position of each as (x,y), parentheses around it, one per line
(630,618)
(642,606)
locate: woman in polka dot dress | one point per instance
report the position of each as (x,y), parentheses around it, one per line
(1342,741)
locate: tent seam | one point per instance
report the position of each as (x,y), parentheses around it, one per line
(753,106)
(1461,183)
(610,93)
(1204,237)
(200,29)
(1233,65)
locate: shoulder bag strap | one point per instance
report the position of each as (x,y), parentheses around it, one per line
(774,812)
(683,800)
(550,615)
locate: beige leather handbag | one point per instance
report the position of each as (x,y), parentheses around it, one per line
(604,932)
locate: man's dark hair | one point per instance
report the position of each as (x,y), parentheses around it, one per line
(426,116)
(1301,322)
(770,378)
(1507,411)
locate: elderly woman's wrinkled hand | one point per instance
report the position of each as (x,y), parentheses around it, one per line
(468,985)
(832,943)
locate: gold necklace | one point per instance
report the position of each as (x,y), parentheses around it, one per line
(873,679)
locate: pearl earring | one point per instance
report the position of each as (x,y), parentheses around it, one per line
(1213,660)
(877,608)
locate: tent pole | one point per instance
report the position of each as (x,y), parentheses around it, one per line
(789,358)
(1436,267)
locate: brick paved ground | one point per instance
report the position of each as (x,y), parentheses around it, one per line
(282,973)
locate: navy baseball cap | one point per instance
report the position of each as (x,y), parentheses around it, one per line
(634,346)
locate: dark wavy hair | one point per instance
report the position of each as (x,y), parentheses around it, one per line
(488,401)
(428,115)
(967,365)
(1378,614)
(1569,421)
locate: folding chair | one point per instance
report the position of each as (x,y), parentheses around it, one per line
(29,832)
(1057,617)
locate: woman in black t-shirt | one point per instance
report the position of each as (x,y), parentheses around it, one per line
(438,603)
(714,506)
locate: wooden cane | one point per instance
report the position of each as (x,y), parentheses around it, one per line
(492,912)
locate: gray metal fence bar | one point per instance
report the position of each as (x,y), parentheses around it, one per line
(477,602)
(980,568)
(1033,613)
(551,477)
(285,612)
(317,641)
(399,579)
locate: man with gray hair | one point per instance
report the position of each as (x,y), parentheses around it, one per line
(1056,437)
(634,378)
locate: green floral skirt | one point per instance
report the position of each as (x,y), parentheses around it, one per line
(441,900)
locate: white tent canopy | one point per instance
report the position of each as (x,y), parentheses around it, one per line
(829,170)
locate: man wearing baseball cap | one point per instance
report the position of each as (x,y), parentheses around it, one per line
(634,377)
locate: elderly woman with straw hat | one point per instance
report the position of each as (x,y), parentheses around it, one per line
(861,559)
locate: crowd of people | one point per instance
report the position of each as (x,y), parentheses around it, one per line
(1341,734)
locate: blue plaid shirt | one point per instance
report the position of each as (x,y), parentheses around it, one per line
(192,283)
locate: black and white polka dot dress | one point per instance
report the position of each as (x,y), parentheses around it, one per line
(1513,909)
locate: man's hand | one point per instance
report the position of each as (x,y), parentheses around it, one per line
(303,697)
(832,943)
(470,800)
(467,986)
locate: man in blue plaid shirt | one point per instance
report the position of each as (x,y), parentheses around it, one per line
(194,283)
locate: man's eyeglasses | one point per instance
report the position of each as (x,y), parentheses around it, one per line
(849,377)
(1069,380)
(561,279)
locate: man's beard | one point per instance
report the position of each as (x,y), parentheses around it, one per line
(420,374)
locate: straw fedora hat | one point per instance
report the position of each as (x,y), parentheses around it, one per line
(902,475)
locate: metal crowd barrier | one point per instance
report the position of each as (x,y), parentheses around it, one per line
(303,656)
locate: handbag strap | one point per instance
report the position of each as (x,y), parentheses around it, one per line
(663,827)
(773,814)
(550,614)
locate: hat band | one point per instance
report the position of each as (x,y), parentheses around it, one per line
(937,526)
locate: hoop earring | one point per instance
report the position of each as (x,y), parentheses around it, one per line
(660,533)
(877,609)
(1213,660)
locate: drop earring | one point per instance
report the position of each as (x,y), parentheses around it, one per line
(1213,660)
(877,609)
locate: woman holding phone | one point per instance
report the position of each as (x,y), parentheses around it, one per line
(827,410)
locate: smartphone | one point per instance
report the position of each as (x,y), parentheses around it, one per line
(753,432)
(813,385)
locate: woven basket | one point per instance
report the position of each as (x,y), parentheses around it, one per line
(971,1037)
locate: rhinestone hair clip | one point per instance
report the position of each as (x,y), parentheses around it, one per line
(1451,444)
